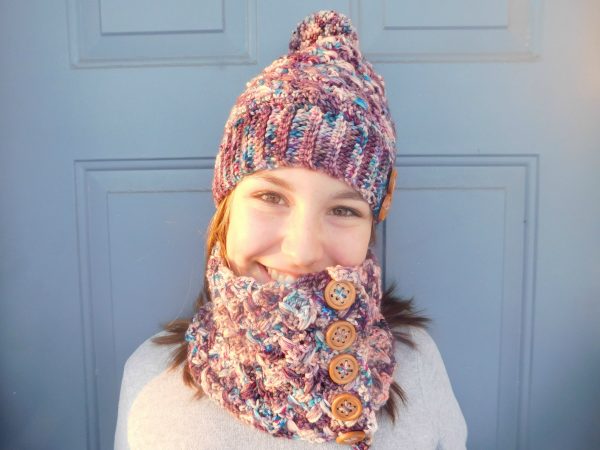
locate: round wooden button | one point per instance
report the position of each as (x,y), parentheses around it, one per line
(343,368)
(385,207)
(351,437)
(392,183)
(346,407)
(340,294)
(387,201)
(340,335)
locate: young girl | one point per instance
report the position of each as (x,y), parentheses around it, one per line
(293,336)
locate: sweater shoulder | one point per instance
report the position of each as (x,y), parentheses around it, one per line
(148,359)
(427,380)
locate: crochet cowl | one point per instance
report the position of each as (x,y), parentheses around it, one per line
(322,107)
(259,350)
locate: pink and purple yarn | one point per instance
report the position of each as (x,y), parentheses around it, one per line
(321,106)
(259,350)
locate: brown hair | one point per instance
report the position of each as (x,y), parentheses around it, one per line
(398,312)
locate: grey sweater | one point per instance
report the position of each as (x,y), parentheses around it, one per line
(157,411)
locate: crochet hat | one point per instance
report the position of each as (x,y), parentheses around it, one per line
(321,107)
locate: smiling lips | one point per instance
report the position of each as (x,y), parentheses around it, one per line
(281,277)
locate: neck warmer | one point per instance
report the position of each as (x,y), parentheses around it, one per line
(311,360)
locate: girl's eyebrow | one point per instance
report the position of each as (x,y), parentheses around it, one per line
(348,195)
(342,195)
(271,179)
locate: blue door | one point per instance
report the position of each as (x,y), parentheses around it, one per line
(111,114)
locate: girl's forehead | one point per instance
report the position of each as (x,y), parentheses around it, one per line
(294,178)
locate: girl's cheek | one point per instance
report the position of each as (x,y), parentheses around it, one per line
(258,225)
(347,246)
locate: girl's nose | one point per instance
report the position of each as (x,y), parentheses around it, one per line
(302,244)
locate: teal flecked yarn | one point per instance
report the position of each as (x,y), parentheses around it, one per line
(260,351)
(321,106)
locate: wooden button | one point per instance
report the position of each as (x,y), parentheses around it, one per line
(340,335)
(385,207)
(387,201)
(340,294)
(392,183)
(351,437)
(343,368)
(346,407)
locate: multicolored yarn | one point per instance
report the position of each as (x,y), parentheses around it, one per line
(321,106)
(259,350)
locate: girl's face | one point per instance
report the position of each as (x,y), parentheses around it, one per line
(291,221)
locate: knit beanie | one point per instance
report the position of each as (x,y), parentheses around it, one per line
(321,107)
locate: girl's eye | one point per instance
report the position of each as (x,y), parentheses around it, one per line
(277,199)
(270,197)
(345,212)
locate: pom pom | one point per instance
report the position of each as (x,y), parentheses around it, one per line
(322,24)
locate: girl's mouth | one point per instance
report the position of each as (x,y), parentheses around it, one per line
(274,275)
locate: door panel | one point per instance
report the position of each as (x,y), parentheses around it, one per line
(111,115)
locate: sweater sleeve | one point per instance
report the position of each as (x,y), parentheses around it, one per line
(125,400)
(446,416)
(145,363)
